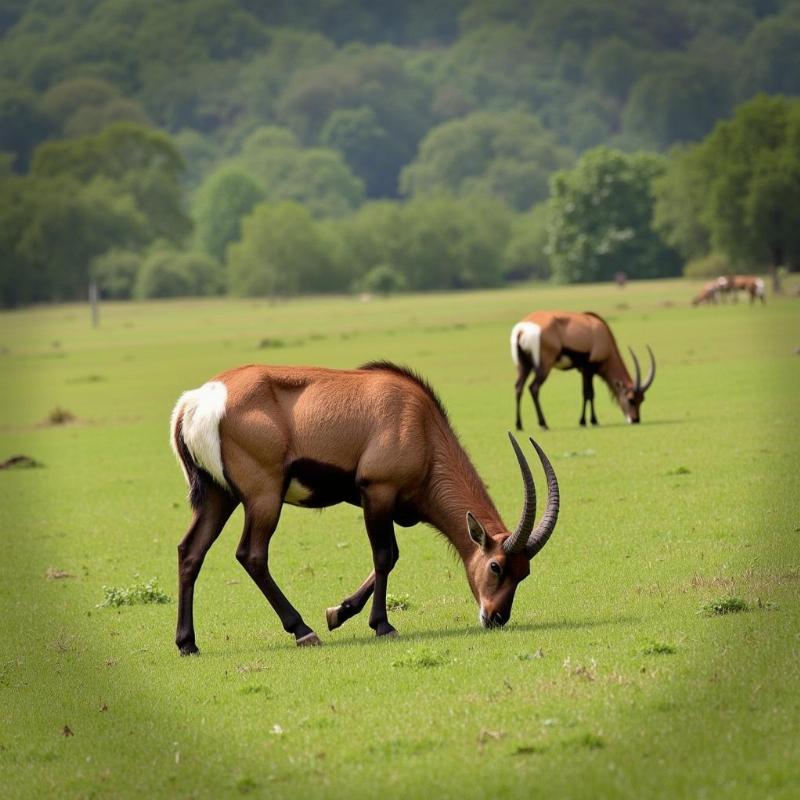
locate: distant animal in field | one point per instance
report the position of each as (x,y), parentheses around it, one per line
(747,283)
(712,291)
(376,437)
(583,341)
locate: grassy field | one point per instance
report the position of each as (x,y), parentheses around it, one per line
(610,681)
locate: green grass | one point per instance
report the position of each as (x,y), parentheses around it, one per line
(606,683)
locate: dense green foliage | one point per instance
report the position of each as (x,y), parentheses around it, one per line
(618,675)
(339,105)
(601,219)
(739,189)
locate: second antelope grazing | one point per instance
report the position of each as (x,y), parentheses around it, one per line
(377,437)
(571,340)
(747,283)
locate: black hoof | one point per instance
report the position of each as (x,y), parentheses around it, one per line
(385,629)
(189,650)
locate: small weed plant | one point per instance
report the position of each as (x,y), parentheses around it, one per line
(137,594)
(727,605)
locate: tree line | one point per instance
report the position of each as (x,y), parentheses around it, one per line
(231,146)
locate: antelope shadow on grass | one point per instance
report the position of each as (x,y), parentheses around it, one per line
(472,631)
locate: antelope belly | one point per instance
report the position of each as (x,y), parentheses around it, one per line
(564,362)
(296,493)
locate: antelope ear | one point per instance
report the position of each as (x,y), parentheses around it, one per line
(476,532)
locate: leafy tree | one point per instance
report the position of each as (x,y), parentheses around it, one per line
(281,252)
(144,163)
(601,219)
(22,123)
(678,101)
(614,65)
(526,253)
(62,100)
(115,273)
(166,272)
(316,177)
(770,58)
(680,195)
(753,201)
(219,206)
(509,156)
(368,149)
(69,225)
(383,280)
(360,78)
(453,244)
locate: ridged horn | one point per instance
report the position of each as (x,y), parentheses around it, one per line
(517,542)
(652,370)
(538,539)
(637,384)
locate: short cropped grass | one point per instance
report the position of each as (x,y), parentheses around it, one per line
(606,683)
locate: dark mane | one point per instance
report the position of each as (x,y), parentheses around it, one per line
(407,372)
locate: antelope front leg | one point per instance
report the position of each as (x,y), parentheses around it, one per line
(352,605)
(378,505)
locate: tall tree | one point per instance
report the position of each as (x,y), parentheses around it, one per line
(601,215)
(509,156)
(219,206)
(753,200)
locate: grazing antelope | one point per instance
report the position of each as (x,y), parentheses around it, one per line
(712,291)
(748,283)
(569,340)
(377,437)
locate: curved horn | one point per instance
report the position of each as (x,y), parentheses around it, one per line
(637,384)
(652,370)
(516,543)
(538,539)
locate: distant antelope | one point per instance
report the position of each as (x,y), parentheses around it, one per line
(713,290)
(377,437)
(748,283)
(569,340)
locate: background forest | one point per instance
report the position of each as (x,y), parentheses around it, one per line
(273,148)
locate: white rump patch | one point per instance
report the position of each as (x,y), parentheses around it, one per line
(296,493)
(529,335)
(202,410)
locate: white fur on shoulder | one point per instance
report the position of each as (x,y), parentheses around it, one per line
(529,335)
(201,410)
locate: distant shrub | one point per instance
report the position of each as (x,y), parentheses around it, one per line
(710,266)
(383,279)
(169,273)
(115,272)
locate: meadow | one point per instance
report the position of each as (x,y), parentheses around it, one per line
(618,675)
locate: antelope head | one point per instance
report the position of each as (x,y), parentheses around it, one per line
(631,396)
(502,561)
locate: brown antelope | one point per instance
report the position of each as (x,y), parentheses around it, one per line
(748,283)
(377,437)
(569,340)
(712,291)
